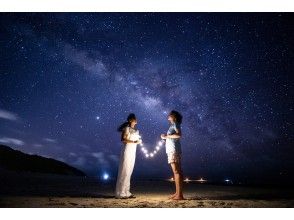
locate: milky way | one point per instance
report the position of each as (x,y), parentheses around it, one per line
(68,81)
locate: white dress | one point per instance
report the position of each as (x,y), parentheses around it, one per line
(126,165)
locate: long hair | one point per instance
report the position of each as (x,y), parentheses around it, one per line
(177,116)
(131,117)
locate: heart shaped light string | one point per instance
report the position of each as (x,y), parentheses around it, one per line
(154,152)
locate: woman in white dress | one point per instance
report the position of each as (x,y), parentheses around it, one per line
(130,138)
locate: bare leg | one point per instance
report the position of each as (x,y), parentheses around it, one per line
(173,195)
(177,170)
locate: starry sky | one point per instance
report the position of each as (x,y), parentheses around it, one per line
(68,80)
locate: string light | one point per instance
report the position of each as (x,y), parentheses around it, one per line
(154,152)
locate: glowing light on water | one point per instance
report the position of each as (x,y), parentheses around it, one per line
(201,180)
(228,181)
(105,176)
(187,179)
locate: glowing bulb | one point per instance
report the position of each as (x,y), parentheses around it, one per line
(155,150)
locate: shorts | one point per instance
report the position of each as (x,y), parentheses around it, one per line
(173,157)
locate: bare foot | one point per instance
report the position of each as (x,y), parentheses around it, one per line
(172,196)
(176,197)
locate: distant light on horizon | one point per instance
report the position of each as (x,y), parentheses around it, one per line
(228,181)
(187,180)
(105,176)
(201,180)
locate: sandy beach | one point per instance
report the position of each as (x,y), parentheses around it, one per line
(59,191)
(142,201)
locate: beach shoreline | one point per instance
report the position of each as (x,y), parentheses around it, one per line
(64,191)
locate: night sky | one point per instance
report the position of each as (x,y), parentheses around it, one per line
(68,80)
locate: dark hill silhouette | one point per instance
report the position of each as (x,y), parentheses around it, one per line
(15,160)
